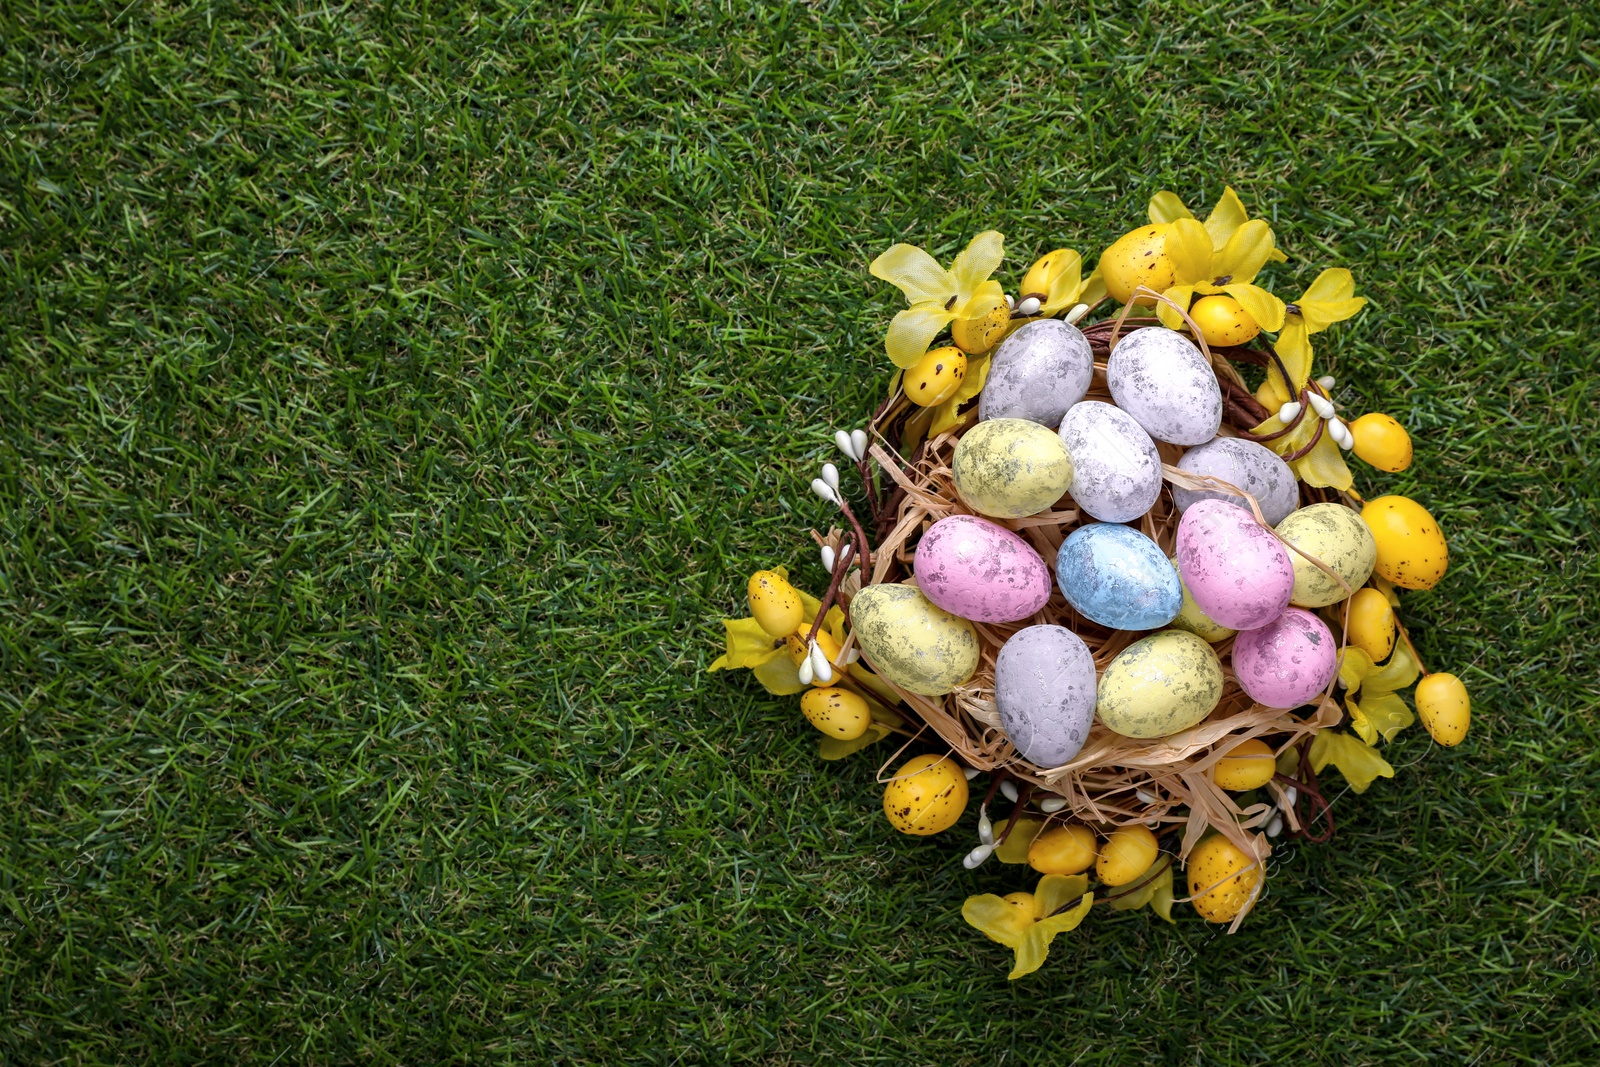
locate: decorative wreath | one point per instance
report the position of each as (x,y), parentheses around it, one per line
(1168,697)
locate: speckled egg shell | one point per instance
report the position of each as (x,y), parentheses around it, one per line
(1160,378)
(1287,662)
(1116,470)
(1254,468)
(1037,374)
(1116,576)
(1336,535)
(980,571)
(1044,685)
(1011,468)
(1236,570)
(1160,685)
(912,642)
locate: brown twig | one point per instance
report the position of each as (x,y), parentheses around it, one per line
(841,567)
(1016,811)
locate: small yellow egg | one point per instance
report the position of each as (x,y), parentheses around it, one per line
(1412,552)
(837,712)
(1127,854)
(977,336)
(1382,442)
(774,603)
(926,795)
(1226,875)
(1138,257)
(1223,321)
(1445,708)
(1249,765)
(798,650)
(1371,626)
(1045,270)
(1026,911)
(1191,618)
(936,377)
(1064,850)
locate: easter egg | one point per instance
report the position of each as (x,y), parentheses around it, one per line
(1370,625)
(1044,687)
(1011,468)
(1411,550)
(1287,662)
(1248,765)
(1236,570)
(1222,878)
(1037,374)
(1191,618)
(980,571)
(1252,467)
(1138,257)
(1159,377)
(977,336)
(1444,708)
(1336,535)
(910,641)
(1067,850)
(1116,576)
(836,712)
(926,795)
(1381,441)
(774,603)
(1223,321)
(936,376)
(1116,469)
(1160,685)
(1127,854)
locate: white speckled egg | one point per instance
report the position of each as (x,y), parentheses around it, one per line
(1160,685)
(1044,685)
(1160,378)
(1336,535)
(1037,374)
(910,641)
(1116,470)
(978,570)
(1011,468)
(1254,468)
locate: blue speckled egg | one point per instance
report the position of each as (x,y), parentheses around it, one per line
(1116,576)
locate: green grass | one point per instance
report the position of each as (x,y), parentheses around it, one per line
(393,398)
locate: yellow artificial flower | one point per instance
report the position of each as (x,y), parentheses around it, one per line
(1057,279)
(1375,709)
(1026,922)
(1200,266)
(1329,299)
(937,296)
(1224,220)
(1358,761)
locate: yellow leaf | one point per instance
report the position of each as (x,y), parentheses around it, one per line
(915,273)
(1015,849)
(1036,940)
(1357,761)
(832,748)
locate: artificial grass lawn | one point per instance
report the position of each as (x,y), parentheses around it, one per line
(393,399)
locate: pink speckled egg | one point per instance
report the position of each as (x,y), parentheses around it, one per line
(1237,570)
(1288,661)
(978,570)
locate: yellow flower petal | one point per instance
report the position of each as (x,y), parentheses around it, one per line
(1354,666)
(1357,761)
(1058,890)
(1188,246)
(1273,396)
(1324,465)
(1166,207)
(1294,349)
(1386,713)
(971,386)
(977,261)
(1226,217)
(1036,940)
(913,330)
(1015,849)
(1265,308)
(1320,314)
(1246,252)
(779,676)
(1179,295)
(1094,290)
(997,918)
(1360,723)
(916,274)
(1335,283)
(1399,672)
(748,645)
(1066,285)
(832,748)
(1161,899)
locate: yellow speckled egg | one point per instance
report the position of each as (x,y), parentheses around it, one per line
(1248,765)
(937,376)
(1011,468)
(1381,441)
(977,336)
(1223,320)
(926,795)
(1336,535)
(774,603)
(1227,876)
(1068,849)
(1127,854)
(910,641)
(1191,618)
(1411,549)
(1371,625)
(837,712)
(1138,257)
(1444,707)
(1160,685)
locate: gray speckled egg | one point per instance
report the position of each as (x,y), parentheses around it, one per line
(1116,470)
(1160,378)
(1254,468)
(1044,684)
(1037,374)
